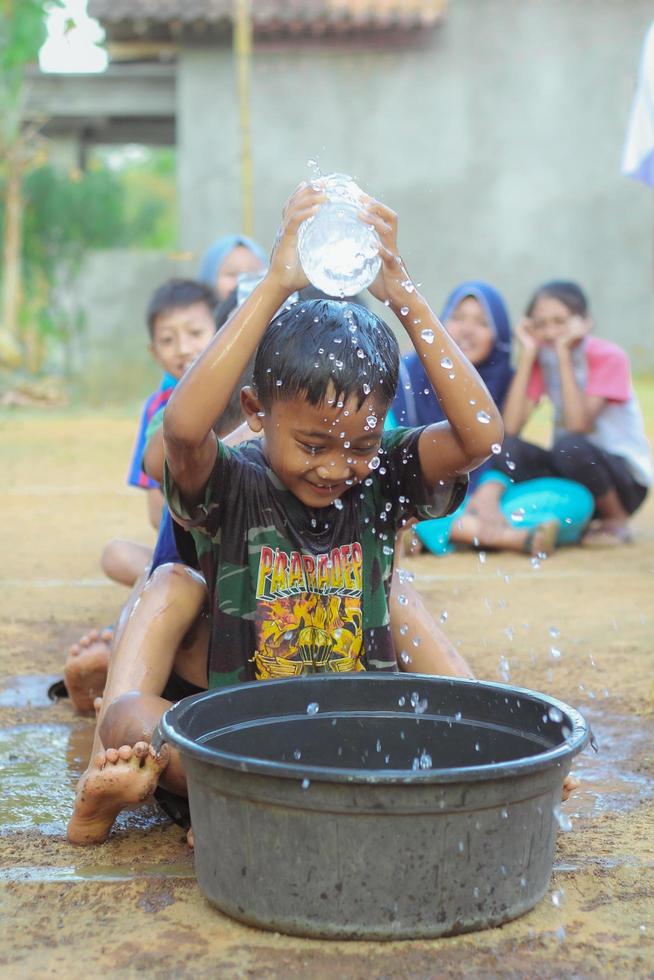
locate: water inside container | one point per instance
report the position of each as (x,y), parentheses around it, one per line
(368,742)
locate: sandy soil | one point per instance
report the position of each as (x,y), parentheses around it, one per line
(579,627)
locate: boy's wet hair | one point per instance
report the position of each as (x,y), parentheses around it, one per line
(568,293)
(326,348)
(175,294)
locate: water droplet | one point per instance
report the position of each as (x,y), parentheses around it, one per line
(338,504)
(402,599)
(408,285)
(483,417)
(555,653)
(404,310)
(504,813)
(443,616)
(457,716)
(374,463)
(402,701)
(482,557)
(446,363)
(404,657)
(306,783)
(428,335)
(563,820)
(475,891)
(476,746)
(313,708)
(371,420)
(378,745)
(518,515)
(461,847)
(496,448)
(557,896)
(404,629)
(417,640)
(510,464)
(418,704)
(297,753)
(366,388)
(505,671)
(279,382)
(360,353)
(555,715)
(554,631)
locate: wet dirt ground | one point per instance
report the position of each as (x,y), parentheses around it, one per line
(579,627)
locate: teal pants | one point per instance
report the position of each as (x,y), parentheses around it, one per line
(525,505)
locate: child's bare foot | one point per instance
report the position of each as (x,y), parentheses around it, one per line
(85,673)
(570,784)
(541,540)
(115,779)
(607,534)
(190,840)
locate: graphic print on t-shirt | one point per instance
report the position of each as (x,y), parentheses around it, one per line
(309,617)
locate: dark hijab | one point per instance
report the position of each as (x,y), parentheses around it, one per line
(416,402)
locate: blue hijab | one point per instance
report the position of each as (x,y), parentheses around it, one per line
(416,402)
(216,254)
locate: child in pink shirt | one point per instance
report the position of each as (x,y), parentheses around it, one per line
(599,436)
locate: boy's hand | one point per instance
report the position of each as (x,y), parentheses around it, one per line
(393,284)
(285,268)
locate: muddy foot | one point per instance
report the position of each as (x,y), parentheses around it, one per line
(85,673)
(117,778)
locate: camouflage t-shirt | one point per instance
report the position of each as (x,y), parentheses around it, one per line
(300,590)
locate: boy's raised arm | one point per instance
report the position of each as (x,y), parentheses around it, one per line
(204,392)
(474,424)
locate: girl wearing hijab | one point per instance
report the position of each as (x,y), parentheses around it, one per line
(228,258)
(532,518)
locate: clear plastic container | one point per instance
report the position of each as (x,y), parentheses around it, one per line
(338,252)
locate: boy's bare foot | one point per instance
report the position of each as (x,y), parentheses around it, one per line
(190,840)
(607,534)
(570,784)
(85,672)
(115,779)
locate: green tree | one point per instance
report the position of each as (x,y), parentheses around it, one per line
(22,32)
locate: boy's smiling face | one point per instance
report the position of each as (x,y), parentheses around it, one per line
(179,335)
(319,451)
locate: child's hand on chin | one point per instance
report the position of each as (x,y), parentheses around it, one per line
(285,268)
(576,329)
(393,283)
(525,334)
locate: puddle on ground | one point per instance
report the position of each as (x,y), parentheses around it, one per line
(28,691)
(39,767)
(40,764)
(96,873)
(616,777)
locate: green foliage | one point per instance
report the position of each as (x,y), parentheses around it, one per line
(148,184)
(64,215)
(22,32)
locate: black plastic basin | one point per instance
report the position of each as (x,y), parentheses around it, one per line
(374,805)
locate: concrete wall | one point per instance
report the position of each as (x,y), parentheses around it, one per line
(498,145)
(112,361)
